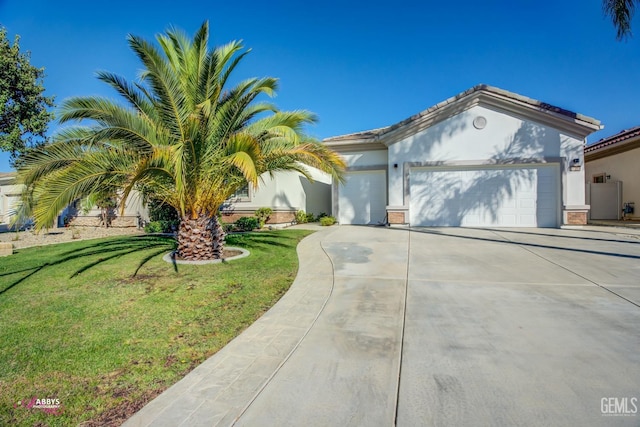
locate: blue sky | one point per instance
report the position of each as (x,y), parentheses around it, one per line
(357,65)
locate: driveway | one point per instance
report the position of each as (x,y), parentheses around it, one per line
(520,327)
(439,326)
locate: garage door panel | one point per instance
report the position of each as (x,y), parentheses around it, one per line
(517,196)
(527,203)
(508,220)
(363,198)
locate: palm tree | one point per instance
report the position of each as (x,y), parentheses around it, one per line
(620,12)
(183,137)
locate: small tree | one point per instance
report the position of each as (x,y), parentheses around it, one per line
(106,201)
(24,114)
(107,207)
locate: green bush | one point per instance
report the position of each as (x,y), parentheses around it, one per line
(247,223)
(301,217)
(327,220)
(310,217)
(263,215)
(161,226)
(153,227)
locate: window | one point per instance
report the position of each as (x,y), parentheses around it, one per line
(242,194)
(600,178)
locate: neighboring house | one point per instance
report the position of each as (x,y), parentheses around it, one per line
(612,175)
(9,197)
(135,215)
(10,194)
(285,193)
(486,157)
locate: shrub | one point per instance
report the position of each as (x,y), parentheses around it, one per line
(153,227)
(327,220)
(310,217)
(263,215)
(301,217)
(247,223)
(161,226)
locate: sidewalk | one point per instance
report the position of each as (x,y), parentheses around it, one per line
(616,223)
(218,391)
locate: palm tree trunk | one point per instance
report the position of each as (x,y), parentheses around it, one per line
(200,239)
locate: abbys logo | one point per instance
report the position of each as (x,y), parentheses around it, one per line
(619,406)
(49,406)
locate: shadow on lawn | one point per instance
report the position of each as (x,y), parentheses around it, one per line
(110,249)
(260,239)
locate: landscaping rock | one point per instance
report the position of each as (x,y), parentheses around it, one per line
(6,249)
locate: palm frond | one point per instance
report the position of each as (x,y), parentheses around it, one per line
(621,12)
(137,99)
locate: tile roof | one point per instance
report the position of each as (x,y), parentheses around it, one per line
(621,136)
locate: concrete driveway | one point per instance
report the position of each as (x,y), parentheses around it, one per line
(520,327)
(441,326)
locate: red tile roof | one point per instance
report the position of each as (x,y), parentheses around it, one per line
(614,139)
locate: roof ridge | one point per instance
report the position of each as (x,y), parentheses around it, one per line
(482,87)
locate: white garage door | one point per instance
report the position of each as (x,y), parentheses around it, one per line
(514,196)
(363,198)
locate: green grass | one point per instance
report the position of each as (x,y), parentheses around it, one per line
(75,325)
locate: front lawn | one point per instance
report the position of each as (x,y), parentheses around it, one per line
(77,327)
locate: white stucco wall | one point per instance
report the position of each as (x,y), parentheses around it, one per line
(9,198)
(365,158)
(290,191)
(455,140)
(622,167)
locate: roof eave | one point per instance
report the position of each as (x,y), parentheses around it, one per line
(347,145)
(612,149)
(579,126)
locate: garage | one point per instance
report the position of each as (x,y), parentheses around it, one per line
(363,198)
(485,196)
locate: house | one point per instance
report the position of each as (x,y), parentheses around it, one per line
(485,157)
(612,175)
